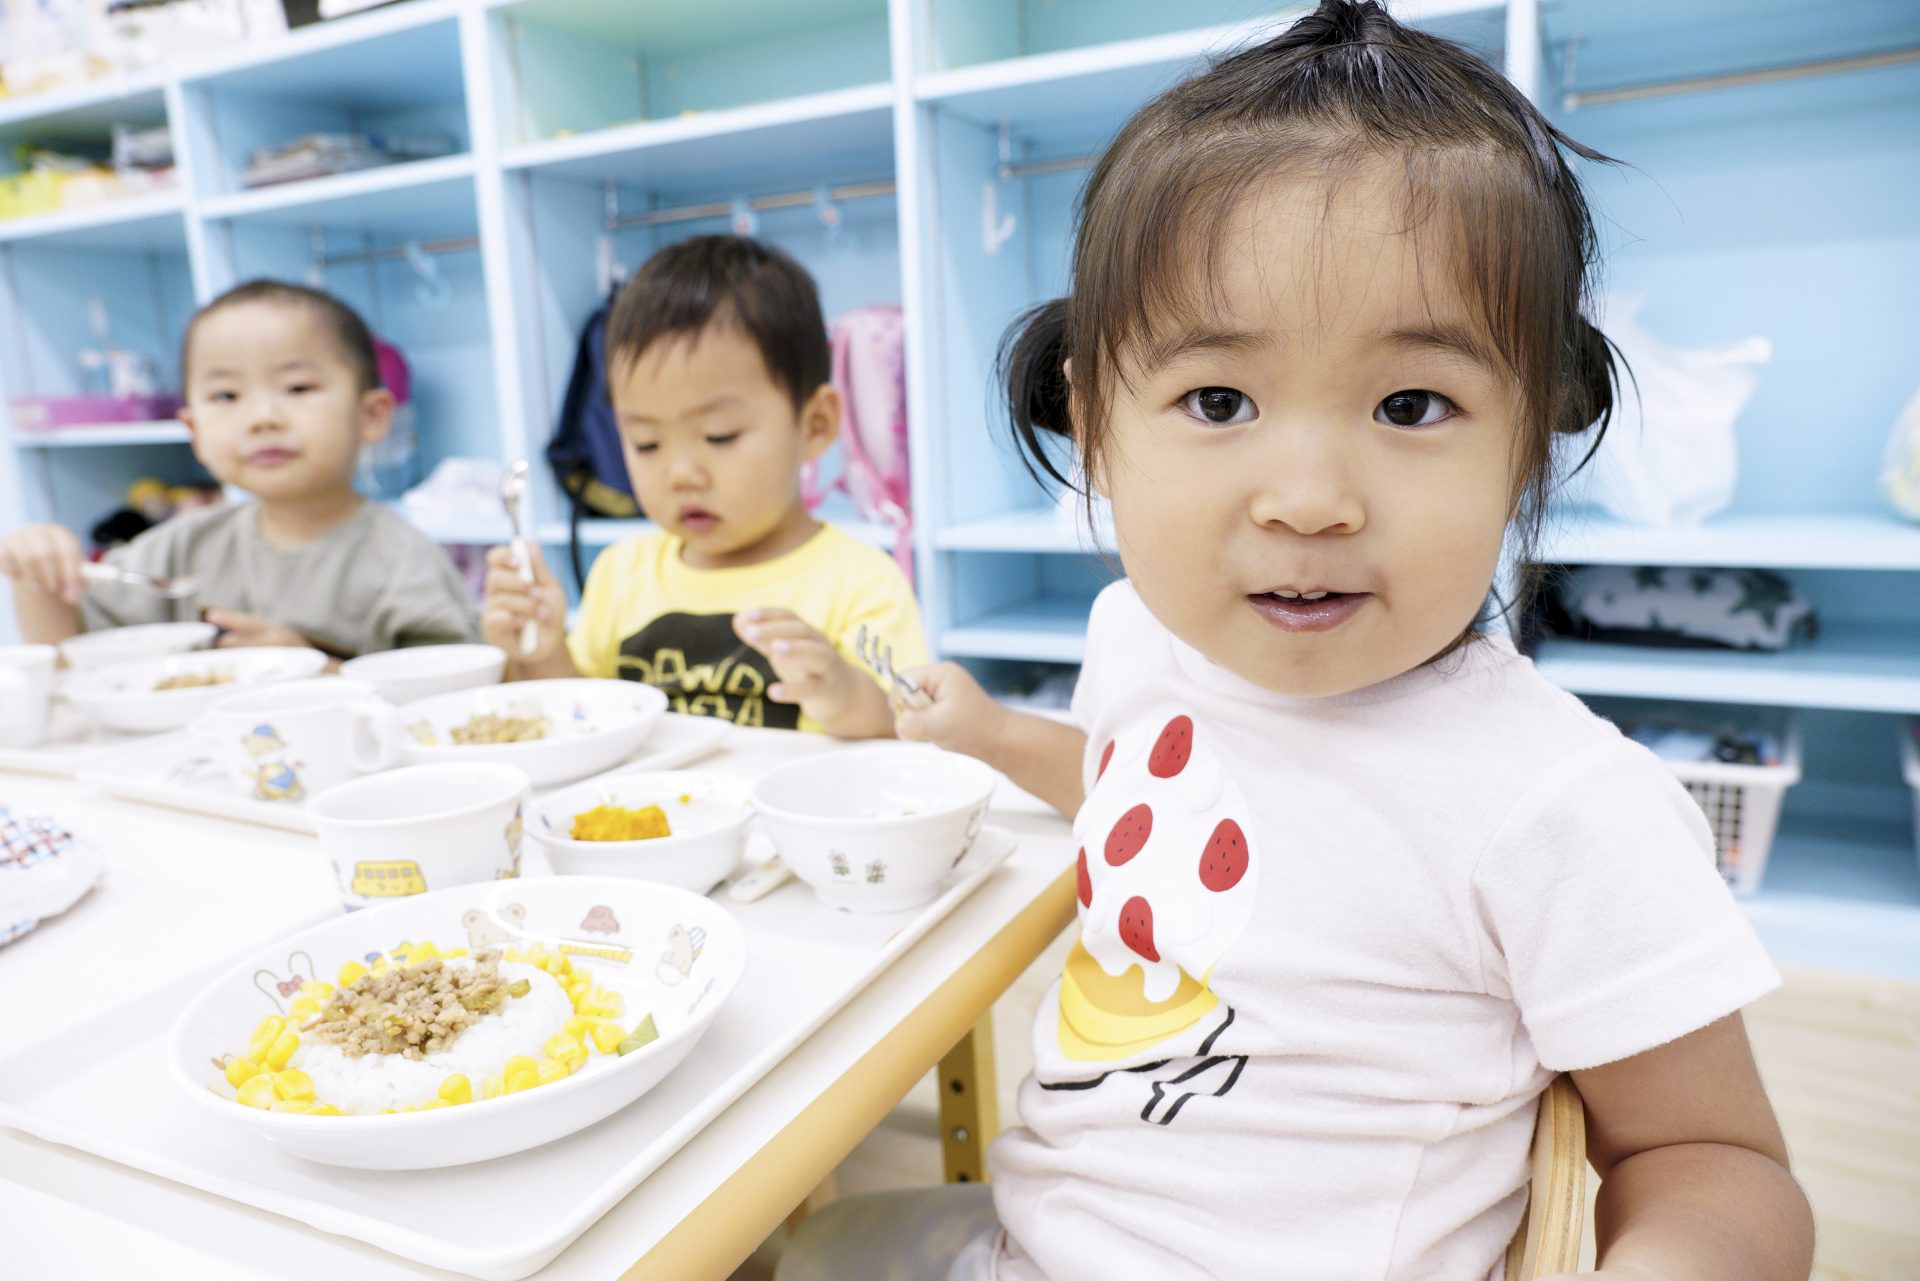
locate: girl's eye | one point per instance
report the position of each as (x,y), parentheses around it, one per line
(300,389)
(726,439)
(223,397)
(1220,406)
(1413,409)
(640,448)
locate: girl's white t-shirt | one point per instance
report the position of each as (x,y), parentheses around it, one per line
(1330,953)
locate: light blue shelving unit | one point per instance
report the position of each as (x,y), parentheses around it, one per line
(928,152)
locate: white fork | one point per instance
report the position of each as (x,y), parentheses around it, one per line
(878,655)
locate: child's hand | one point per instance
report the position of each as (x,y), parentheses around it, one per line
(239,630)
(811,671)
(46,557)
(962,718)
(511,601)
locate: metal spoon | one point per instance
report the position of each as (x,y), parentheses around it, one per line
(513,487)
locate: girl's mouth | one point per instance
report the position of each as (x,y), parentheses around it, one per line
(1294,612)
(698,519)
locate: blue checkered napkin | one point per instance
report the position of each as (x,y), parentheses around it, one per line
(44,870)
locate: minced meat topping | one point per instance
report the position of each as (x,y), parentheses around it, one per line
(413,1010)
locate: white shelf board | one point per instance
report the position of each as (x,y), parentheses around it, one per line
(602,532)
(389,191)
(1050,631)
(1040,90)
(97,97)
(353,29)
(163,431)
(149,221)
(821,134)
(1042,530)
(1858,667)
(1851,540)
(1841,896)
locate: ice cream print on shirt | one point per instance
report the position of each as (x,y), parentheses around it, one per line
(1167,877)
(704,669)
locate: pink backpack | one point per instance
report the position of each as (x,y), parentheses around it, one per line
(870,369)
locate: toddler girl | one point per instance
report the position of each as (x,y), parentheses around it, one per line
(1354,882)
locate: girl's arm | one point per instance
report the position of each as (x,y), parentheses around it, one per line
(1693,1172)
(1040,755)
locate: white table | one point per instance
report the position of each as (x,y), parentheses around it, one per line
(185,892)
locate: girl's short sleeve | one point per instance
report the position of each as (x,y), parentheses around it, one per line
(1606,921)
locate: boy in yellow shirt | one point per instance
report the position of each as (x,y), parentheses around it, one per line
(741,605)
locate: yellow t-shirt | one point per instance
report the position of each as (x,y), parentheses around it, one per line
(646,615)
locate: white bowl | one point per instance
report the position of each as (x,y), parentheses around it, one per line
(422,828)
(667,952)
(422,671)
(122,696)
(593,725)
(874,829)
(147,640)
(707,813)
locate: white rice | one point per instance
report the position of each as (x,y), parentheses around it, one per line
(375,1082)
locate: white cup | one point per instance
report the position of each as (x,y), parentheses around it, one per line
(26,688)
(422,828)
(293,740)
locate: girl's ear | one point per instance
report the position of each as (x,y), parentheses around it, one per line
(376,415)
(820,421)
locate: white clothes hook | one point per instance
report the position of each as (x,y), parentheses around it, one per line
(831,215)
(996,229)
(433,290)
(745,221)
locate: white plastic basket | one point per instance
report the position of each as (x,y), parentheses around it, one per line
(1910,765)
(1742,805)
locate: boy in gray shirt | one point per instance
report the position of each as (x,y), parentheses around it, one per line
(282,390)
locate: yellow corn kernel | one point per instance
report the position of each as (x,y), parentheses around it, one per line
(293,1084)
(456,1089)
(302,1010)
(579,989)
(511,953)
(256,1093)
(604,1004)
(283,1047)
(561,1044)
(240,1071)
(352,972)
(300,1107)
(493,1087)
(454,953)
(265,1033)
(381,964)
(607,1036)
(552,1070)
(521,1073)
(316,989)
(425,951)
(578,1026)
(325,1109)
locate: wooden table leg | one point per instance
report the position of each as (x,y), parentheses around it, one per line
(969,1104)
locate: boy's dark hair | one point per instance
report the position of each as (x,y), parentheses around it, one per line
(1342,86)
(342,321)
(686,286)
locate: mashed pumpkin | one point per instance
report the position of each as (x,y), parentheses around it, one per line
(612,823)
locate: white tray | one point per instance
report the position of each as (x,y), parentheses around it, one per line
(169,770)
(71,741)
(103,1087)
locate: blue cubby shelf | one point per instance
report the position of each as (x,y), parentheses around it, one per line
(1766,209)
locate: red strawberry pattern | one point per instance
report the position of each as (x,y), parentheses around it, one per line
(1129,835)
(1172,749)
(1086,880)
(1136,927)
(1224,861)
(1105,758)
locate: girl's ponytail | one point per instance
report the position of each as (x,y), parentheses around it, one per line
(1032,368)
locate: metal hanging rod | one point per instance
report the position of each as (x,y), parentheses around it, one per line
(1008,172)
(1574,101)
(724,208)
(454,245)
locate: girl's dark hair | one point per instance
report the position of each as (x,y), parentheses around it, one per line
(681,289)
(1340,87)
(343,322)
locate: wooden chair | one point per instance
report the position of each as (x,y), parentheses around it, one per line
(1548,1239)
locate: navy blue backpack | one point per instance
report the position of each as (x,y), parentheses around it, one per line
(585,452)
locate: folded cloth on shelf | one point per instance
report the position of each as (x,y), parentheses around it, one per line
(44,870)
(1681,608)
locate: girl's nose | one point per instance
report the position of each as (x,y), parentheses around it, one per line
(265,411)
(1306,483)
